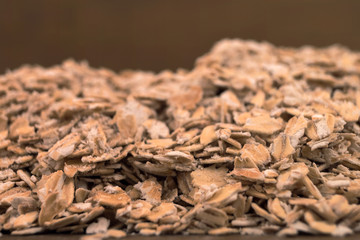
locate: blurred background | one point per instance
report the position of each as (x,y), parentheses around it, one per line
(156,35)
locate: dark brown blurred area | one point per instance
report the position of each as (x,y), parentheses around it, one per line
(156,35)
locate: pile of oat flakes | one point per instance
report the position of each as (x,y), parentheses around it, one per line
(255,139)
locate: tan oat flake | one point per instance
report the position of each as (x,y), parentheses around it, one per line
(257,153)
(263,125)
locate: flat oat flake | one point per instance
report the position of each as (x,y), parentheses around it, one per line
(254,140)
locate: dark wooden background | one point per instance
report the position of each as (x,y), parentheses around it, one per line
(154,35)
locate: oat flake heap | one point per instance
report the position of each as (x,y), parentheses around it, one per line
(254,140)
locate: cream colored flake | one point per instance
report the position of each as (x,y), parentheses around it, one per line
(164,209)
(116,200)
(257,153)
(101,226)
(225,194)
(295,129)
(289,178)
(28,231)
(162,143)
(259,99)
(249,174)
(263,213)
(6,186)
(64,147)
(213,217)
(320,126)
(316,224)
(230,99)
(115,233)
(25,220)
(263,125)
(208,135)
(282,147)
(348,111)
(156,129)
(140,209)
(94,213)
(20,127)
(129,117)
(223,231)
(52,206)
(62,222)
(150,190)
(276,208)
(80,207)
(340,205)
(209,176)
